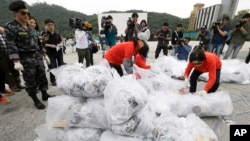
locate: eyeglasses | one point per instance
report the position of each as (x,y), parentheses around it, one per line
(25,13)
(197,63)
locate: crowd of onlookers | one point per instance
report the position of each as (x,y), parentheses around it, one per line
(24,47)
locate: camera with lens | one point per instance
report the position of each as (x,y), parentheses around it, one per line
(215,24)
(75,23)
(106,22)
(240,24)
(130,23)
(180,42)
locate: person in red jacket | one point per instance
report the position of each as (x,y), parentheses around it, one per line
(122,53)
(140,58)
(201,62)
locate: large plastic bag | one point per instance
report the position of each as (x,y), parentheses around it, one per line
(90,82)
(196,129)
(67,111)
(124,97)
(139,125)
(71,134)
(171,66)
(213,104)
(109,136)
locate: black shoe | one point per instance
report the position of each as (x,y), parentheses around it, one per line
(38,104)
(45,95)
(53,83)
(247,59)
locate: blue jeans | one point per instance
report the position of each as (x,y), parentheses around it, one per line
(216,48)
(235,48)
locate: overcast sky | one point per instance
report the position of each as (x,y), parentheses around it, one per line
(180,8)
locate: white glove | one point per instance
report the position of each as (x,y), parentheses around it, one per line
(47,59)
(186,81)
(18,66)
(201,93)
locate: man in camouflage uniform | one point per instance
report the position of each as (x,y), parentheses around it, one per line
(24,52)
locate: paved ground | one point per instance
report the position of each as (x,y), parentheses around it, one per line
(19,118)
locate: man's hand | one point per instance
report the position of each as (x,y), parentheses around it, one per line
(47,59)
(201,93)
(18,66)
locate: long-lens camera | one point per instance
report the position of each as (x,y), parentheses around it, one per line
(106,22)
(240,24)
(130,23)
(75,23)
(215,24)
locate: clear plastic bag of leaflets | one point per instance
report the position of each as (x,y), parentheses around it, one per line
(123,97)
(139,125)
(154,80)
(110,136)
(213,104)
(170,66)
(71,134)
(89,82)
(76,112)
(195,129)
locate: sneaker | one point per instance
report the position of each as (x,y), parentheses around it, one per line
(15,88)
(53,83)
(8,92)
(4,100)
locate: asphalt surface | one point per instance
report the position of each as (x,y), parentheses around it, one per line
(19,118)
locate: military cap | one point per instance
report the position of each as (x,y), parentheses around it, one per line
(16,5)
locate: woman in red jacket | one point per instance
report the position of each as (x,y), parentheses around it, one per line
(122,53)
(201,62)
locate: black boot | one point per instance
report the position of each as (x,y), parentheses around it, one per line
(45,95)
(37,102)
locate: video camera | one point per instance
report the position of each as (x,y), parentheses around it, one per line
(240,24)
(130,23)
(75,23)
(215,24)
(106,22)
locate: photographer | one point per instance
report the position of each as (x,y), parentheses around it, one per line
(203,36)
(176,35)
(132,27)
(238,36)
(218,33)
(163,36)
(82,45)
(183,49)
(109,30)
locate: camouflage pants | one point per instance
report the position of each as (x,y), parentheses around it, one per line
(34,73)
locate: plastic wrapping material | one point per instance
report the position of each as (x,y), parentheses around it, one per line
(139,125)
(124,97)
(67,111)
(109,136)
(90,82)
(71,134)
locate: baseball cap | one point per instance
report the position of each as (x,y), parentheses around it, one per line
(16,5)
(142,36)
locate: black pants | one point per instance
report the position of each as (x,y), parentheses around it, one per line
(118,68)
(158,50)
(248,57)
(194,77)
